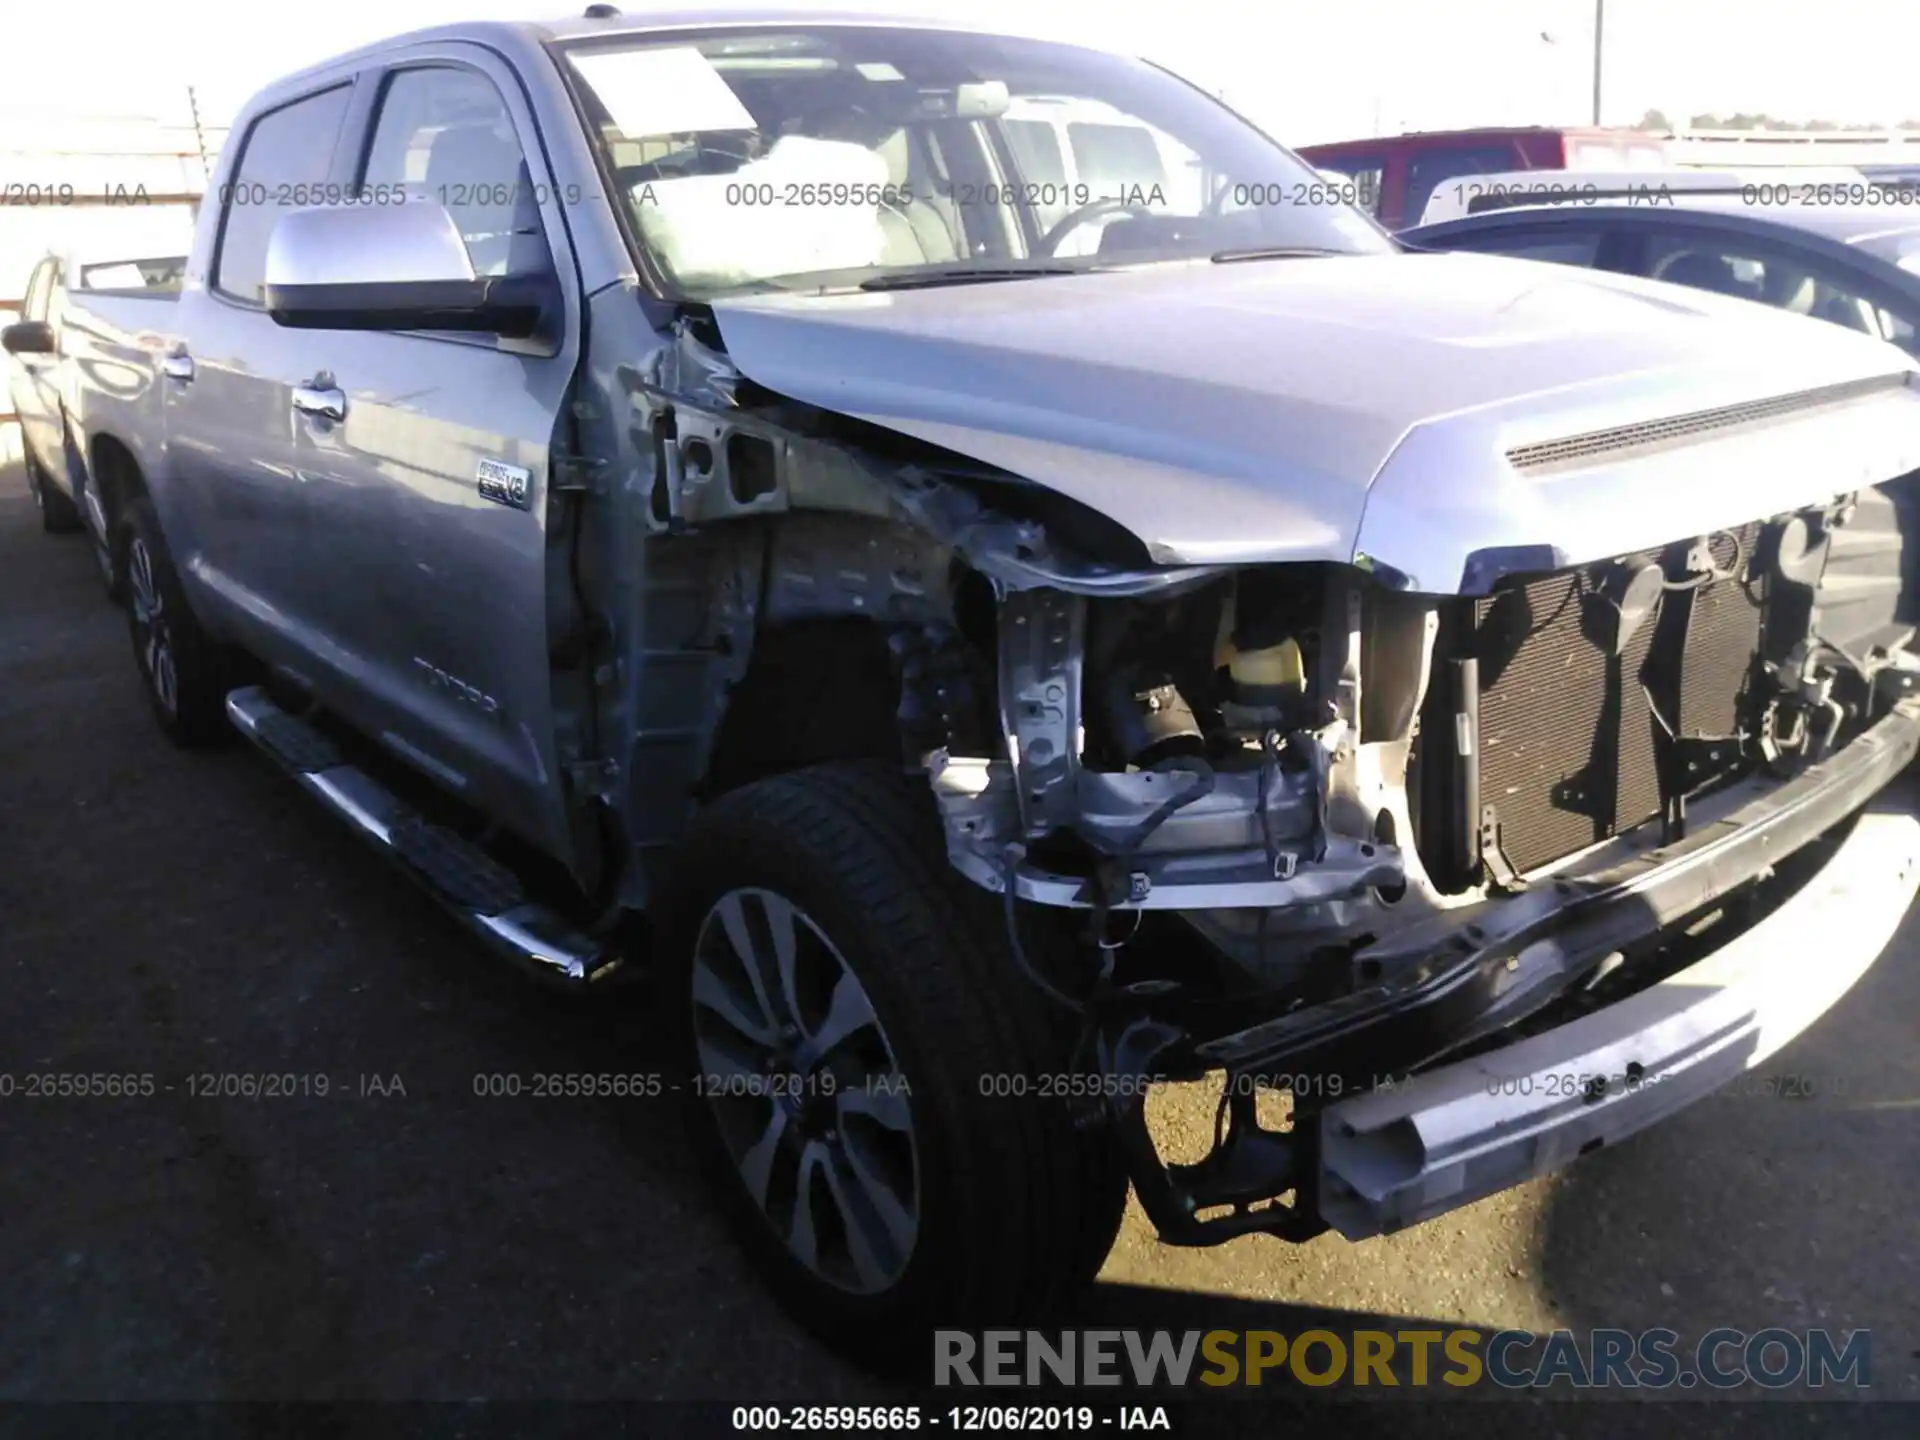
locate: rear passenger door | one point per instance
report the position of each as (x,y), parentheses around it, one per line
(430,603)
(235,505)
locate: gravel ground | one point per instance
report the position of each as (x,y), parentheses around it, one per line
(179,915)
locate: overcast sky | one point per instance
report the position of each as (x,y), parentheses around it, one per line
(1306,71)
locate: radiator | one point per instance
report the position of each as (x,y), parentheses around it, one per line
(1571,735)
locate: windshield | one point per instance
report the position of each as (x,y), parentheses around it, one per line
(806,159)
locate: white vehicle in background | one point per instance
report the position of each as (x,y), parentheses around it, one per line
(1473,194)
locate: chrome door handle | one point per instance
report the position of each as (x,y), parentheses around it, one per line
(324,401)
(177,367)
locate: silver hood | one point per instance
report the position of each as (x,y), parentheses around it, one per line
(1367,408)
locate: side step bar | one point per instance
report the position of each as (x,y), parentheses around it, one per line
(481,893)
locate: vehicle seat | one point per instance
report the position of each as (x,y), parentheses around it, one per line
(1844,310)
(1708,272)
(917,233)
(1790,291)
(486,190)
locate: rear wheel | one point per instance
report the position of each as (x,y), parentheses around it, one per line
(58,514)
(106,559)
(184,672)
(868,1069)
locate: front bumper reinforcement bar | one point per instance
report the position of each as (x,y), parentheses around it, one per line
(1454,980)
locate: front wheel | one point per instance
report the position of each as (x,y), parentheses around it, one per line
(872,1080)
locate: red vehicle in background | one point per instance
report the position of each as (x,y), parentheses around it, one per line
(1397,173)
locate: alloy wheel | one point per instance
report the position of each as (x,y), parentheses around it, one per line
(153,637)
(806,1091)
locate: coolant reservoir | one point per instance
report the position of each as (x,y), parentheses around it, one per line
(1267,674)
(1271,678)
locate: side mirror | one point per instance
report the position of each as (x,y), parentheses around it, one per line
(28,337)
(391,267)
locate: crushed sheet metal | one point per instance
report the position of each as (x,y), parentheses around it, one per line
(1396,1156)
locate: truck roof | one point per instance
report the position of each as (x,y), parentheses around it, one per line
(515,34)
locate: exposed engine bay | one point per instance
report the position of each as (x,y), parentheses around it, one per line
(1397,822)
(1284,755)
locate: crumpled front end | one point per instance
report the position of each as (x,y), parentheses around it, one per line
(1400,825)
(1568,697)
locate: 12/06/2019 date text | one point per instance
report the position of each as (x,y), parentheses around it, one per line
(965,1419)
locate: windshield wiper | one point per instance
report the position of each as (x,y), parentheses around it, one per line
(1272,252)
(969,275)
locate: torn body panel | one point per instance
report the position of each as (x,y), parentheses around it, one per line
(1202,739)
(1308,782)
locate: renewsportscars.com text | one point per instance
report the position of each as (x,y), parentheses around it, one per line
(1512,1359)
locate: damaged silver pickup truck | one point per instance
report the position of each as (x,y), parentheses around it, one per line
(956,560)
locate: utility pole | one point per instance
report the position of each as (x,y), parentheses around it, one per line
(1599,32)
(199,136)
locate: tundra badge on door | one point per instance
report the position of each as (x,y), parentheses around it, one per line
(504,484)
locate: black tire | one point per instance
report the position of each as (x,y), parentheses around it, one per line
(1017,1205)
(107,559)
(184,673)
(58,514)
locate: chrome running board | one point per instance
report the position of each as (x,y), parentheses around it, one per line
(475,888)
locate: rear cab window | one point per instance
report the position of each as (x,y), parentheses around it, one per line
(285,165)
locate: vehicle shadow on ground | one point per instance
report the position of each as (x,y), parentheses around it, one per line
(1789,1226)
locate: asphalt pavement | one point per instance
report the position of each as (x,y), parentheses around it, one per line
(186,917)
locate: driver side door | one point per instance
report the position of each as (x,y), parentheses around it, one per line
(431,510)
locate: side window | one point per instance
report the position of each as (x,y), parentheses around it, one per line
(1562,247)
(286,149)
(446,132)
(1427,170)
(39,291)
(1803,285)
